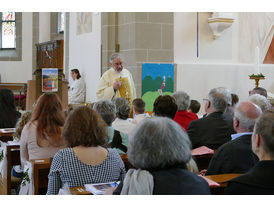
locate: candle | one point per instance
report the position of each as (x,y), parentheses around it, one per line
(257,60)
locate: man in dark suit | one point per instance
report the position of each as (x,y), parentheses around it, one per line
(214,129)
(260,179)
(236,156)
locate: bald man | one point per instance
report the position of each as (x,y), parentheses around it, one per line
(236,156)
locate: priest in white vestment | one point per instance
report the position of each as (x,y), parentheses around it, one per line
(116,82)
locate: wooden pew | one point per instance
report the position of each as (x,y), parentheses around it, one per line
(18,89)
(13,158)
(79,191)
(40,170)
(4,137)
(222,179)
(202,161)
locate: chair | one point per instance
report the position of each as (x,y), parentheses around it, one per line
(40,170)
(13,158)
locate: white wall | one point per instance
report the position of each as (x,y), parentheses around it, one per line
(85,53)
(217,64)
(20,71)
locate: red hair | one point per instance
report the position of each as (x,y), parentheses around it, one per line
(50,118)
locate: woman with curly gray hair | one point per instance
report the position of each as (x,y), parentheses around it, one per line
(122,122)
(159,150)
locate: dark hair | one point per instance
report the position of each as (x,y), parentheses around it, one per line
(265,128)
(194,106)
(139,105)
(259,90)
(8,113)
(165,106)
(50,118)
(76,71)
(234,99)
(85,127)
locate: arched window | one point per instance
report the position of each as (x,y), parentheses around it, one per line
(7,30)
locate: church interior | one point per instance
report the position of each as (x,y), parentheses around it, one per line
(206,50)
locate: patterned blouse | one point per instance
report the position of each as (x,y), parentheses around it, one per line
(67,168)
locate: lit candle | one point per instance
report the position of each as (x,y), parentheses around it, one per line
(257,60)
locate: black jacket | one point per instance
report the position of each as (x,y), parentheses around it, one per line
(258,181)
(211,131)
(175,181)
(233,157)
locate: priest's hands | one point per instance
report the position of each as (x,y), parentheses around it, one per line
(117,85)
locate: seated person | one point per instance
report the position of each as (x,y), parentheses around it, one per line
(165,106)
(236,156)
(117,140)
(77,89)
(194,107)
(122,122)
(259,180)
(41,136)
(183,117)
(86,160)
(261,101)
(139,107)
(20,125)
(8,114)
(258,90)
(159,150)
(213,130)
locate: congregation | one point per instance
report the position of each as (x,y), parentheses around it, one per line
(85,143)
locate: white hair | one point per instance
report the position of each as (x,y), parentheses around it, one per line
(157,143)
(182,100)
(115,56)
(261,101)
(106,109)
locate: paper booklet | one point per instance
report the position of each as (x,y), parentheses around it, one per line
(202,150)
(99,189)
(8,130)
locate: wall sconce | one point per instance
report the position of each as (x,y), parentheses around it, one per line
(219,21)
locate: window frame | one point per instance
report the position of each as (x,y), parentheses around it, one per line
(1,21)
(59,23)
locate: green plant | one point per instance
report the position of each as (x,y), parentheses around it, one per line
(256,75)
(2,155)
(25,177)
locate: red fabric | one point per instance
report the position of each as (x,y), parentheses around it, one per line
(183,118)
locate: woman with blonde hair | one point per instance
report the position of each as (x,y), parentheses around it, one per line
(41,137)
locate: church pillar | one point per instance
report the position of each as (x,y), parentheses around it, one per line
(141,37)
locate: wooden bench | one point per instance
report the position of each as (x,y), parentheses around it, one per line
(18,89)
(202,161)
(79,191)
(40,171)
(13,158)
(222,179)
(4,137)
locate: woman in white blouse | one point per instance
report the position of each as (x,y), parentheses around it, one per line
(77,89)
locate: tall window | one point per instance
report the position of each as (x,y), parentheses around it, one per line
(61,22)
(7,30)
